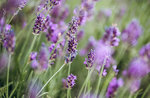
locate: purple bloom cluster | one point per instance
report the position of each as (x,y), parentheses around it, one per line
(41,60)
(38,26)
(91,58)
(113,86)
(145,52)
(138,68)
(111,36)
(132,32)
(9,41)
(71,51)
(70,82)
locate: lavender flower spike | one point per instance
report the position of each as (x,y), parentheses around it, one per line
(91,58)
(9,41)
(70,82)
(38,26)
(111,36)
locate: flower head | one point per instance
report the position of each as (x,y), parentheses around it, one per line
(138,68)
(38,26)
(9,41)
(111,36)
(70,82)
(90,61)
(132,32)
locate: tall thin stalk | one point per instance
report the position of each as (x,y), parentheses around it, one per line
(8,67)
(51,79)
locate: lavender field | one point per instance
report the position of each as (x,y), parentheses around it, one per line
(74,48)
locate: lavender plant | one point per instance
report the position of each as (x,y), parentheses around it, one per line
(74,49)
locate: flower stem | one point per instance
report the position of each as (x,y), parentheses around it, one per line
(100,77)
(51,78)
(31,47)
(8,67)
(143,96)
(68,90)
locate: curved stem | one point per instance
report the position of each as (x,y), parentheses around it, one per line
(8,67)
(100,77)
(51,78)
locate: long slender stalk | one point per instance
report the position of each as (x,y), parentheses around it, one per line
(143,96)
(31,47)
(8,67)
(51,78)
(68,90)
(100,77)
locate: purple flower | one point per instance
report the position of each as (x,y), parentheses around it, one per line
(9,41)
(38,26)
(70,82)
(34,64)
(33,56)
(72,49)
(91,58)
(138,68)
(103,53)
(145,52)
(73,27)
(132,32)
(80,35)
(52,33)
(111,36)
(53,55)
(43,57)
(115,69)
(135,85)
(112,88)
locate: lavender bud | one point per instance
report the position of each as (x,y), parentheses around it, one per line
(38,26)
(91,58)
(9,41)
(70,82)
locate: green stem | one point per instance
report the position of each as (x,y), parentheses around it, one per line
(68,90)
(100,77)
(143,96)
(31,47)
(51,78)
(130,96)
(8,67)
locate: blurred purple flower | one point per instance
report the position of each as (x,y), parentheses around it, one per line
(9,41)
(80,35)
(111,36)
(112,88)
(34,64)
(132,32)
(135,85)
(43,57)
(145,52)
(103,53)
(138,68)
